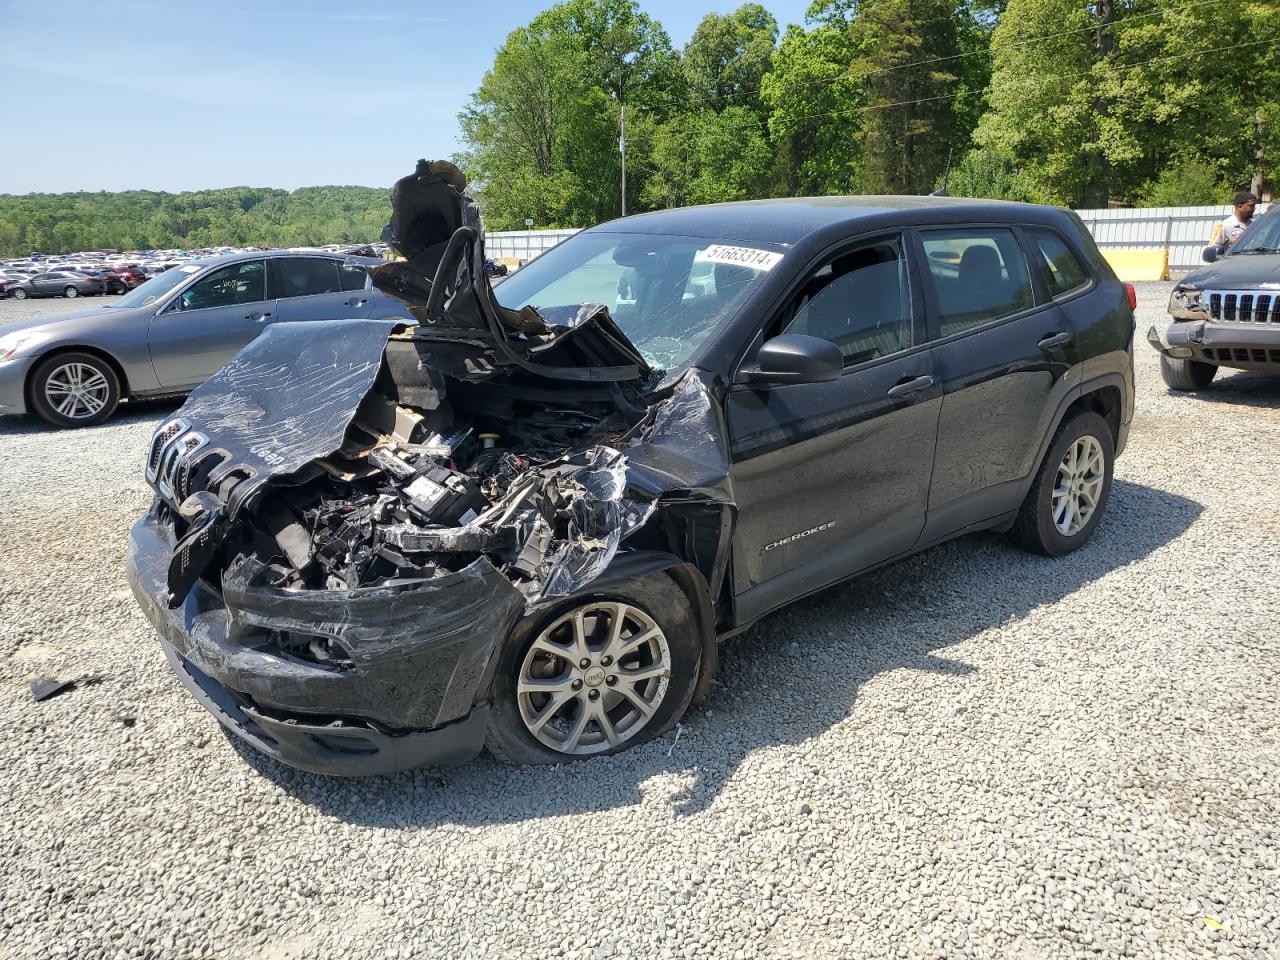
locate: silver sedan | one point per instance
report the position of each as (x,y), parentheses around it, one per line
(169,335)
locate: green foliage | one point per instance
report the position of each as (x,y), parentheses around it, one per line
(236,216)
(1185,182)
(990,175)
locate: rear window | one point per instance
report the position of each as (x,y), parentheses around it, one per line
(1061,269)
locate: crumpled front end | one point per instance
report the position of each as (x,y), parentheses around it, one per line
(347,526)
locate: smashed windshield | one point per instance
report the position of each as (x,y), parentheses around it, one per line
(666,293)
(157,287)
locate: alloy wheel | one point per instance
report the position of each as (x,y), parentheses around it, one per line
(594,678)
(77,391)
(71,292)
(1078,485)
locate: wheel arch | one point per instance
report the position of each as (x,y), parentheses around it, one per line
(1104,399)
(116,366)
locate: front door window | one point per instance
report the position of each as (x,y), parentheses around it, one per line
(228,286)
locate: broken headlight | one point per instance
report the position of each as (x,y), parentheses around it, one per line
(1185,304)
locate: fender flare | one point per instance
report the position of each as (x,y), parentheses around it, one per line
(1092,385)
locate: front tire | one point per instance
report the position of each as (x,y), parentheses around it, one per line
(1186,374)
(19,294)
(1069,494)
(596,674)
(74,390)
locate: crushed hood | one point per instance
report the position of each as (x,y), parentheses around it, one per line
(366,453)
(1237,271)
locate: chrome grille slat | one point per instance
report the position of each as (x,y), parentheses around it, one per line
(163,437)
(1243,306)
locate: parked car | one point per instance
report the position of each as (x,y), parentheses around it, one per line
(112,282)
(1226,314)
(58,283)
(525,523)
(131,273)
(171,333)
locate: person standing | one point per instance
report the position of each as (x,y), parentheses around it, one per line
(1229,230)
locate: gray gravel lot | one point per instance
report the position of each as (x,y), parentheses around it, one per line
(973,753)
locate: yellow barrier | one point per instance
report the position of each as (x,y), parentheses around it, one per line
(1143,264)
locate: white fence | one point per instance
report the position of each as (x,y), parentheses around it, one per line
(523,245)
(1183,230)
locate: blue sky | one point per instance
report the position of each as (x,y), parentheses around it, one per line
(188,94)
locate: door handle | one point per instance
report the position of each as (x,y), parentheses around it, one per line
(909,387)
(356,303)
(1054,340)
(259,317)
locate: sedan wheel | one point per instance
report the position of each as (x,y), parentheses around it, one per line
(74,390)
(19,294)
(594,678)
(71,293)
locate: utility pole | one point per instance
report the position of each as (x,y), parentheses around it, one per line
(622,146)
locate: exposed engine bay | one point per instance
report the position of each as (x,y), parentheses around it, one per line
(383,456)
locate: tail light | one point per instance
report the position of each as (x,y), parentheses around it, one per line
(1133,296)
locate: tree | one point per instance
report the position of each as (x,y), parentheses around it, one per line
(541,133)
(729,56)
(718,148)
(907,51)
(815,110)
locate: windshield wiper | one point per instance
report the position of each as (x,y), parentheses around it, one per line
(1258,250)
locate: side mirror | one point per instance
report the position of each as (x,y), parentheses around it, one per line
(793,358)
(1209,254)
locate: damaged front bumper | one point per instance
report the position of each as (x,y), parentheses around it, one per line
(406,690)
(1246,346)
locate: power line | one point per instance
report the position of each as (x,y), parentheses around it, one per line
(1065,76)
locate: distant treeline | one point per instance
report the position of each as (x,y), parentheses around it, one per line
(235,216)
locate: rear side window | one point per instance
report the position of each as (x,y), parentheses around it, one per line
(859,301)
(1060,268)
(978,275)
(307,276)
(353,277)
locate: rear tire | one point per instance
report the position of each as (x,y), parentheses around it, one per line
(527,727)
(1186,374)
(74,390)
(70,293)
(1052,519)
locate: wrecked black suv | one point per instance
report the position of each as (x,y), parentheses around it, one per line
(525,522)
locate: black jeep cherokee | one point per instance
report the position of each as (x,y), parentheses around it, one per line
(525,522)
(1227,314)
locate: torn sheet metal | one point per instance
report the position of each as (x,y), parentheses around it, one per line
(284,400)
(348,523)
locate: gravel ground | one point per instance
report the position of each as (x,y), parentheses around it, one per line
(973,753)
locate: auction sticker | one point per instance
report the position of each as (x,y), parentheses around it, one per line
(740,256)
